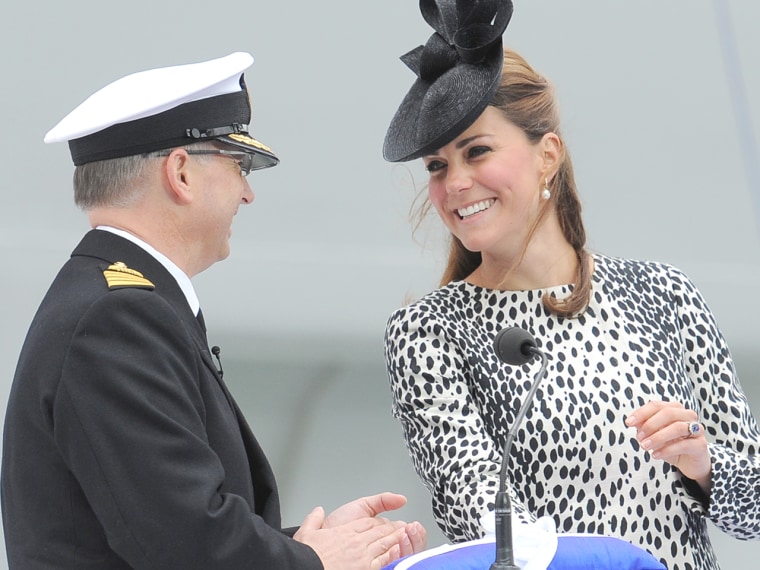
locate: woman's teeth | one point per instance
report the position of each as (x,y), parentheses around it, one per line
(475,208)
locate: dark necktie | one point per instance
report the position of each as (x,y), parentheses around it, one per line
(201,321)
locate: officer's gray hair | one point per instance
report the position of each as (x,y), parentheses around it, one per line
(116,182)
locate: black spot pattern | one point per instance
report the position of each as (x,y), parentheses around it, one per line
(647,334)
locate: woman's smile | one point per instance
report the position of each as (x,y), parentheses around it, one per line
(475,208)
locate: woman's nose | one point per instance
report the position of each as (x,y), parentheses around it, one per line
(458,178)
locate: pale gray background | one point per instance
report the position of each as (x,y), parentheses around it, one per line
(659,99)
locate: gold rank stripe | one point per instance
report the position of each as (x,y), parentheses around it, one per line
(119,275)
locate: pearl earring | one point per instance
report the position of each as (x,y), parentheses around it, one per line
(546,193)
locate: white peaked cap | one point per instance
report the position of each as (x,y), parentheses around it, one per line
(165,108)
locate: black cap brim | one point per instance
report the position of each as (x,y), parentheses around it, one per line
(263,155)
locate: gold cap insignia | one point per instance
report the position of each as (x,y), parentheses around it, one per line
(119,275)
(249,141)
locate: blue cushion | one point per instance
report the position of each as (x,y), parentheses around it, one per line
(573,553)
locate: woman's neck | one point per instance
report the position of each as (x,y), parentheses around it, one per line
(545,263)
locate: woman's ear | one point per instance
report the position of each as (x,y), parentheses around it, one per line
(551,154)
(176,171)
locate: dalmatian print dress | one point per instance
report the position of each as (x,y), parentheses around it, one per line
(647,334)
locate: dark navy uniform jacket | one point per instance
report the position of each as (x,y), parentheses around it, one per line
(122,446)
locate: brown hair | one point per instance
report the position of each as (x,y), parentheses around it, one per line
(527,100)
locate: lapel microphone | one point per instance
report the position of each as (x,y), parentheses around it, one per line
(216,351)
(513,346)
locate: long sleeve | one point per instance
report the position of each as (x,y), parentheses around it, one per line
(431,397)
(724,410)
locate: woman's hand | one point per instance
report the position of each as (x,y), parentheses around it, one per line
(673,433)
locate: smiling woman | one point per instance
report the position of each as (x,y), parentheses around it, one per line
(631,437)
(486,187)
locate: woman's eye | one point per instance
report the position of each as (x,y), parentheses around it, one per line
(434,166)
(476,151)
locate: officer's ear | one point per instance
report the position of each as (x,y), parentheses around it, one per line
(177,173)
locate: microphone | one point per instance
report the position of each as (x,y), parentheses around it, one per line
(513,346)
(216,351)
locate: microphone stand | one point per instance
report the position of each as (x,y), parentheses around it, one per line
(505,558)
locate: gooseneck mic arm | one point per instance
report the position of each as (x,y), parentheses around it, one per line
(517,347)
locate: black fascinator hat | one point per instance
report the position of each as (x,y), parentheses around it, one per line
(458,72)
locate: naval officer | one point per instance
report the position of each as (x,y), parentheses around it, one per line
(123,448)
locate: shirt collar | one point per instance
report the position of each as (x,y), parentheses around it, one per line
(182,279)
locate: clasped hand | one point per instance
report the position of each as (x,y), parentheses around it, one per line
(671,432)
(354,537)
